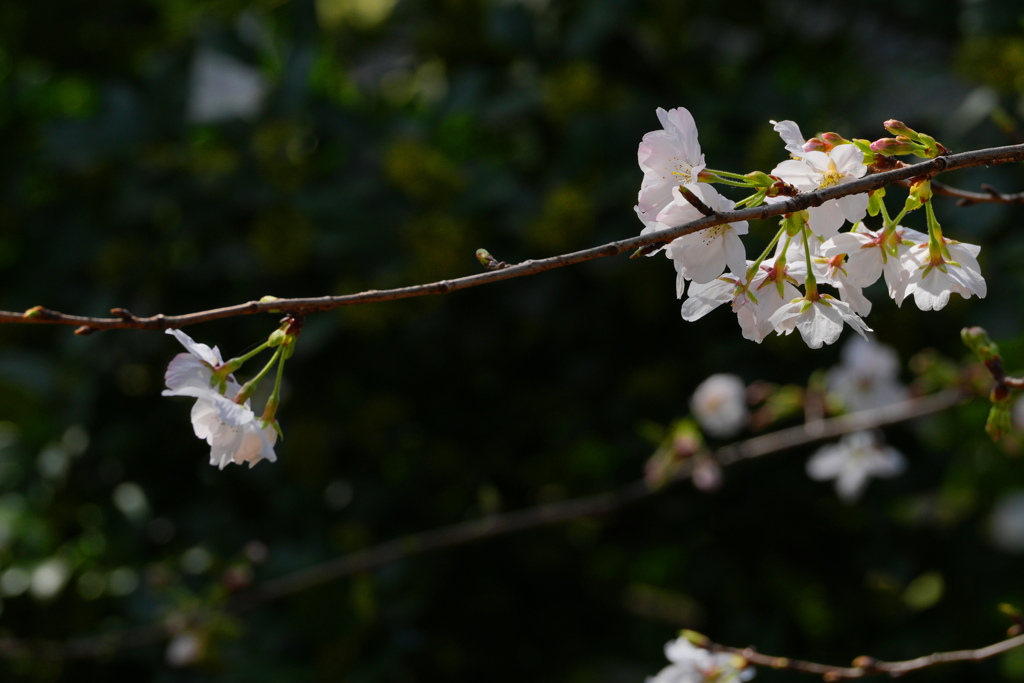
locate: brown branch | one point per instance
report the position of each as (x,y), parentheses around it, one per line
(868,666)
(990,195)
(492,526)
(303,306)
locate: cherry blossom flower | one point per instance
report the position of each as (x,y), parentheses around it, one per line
(831,270)
(817,170)
(754,303)
(692,664)
(703,255)
(819,319)
(790,133)
(720,405)
(851,462)
(871,254)
(668,158)
(867,376)
(933,275)
(232,430)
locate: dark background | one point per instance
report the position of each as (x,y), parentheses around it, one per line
(394,139)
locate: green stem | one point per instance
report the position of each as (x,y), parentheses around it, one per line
(752,270)
(249,387)
(233,364)
(936,244)
(720,179)
(811,284)
(727,174)
(275,396)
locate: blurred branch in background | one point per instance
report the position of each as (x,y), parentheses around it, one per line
(493,526)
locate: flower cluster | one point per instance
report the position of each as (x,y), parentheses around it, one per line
(222,414)
(692,664)
(810,248)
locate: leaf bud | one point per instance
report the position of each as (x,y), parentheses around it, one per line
(834,139)
(899,128)
(978,341)
(817,145)
(896,146)
(760,179)
(922,190)
(875,201)
(695,638)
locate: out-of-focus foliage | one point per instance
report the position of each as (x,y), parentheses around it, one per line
(356,144)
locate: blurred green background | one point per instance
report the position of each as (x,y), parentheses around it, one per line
(177,155)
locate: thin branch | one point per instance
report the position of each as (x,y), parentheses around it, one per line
(868,666)
(492,526)
(989,195)
(125,320)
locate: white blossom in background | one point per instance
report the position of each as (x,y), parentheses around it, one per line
(853,461)
(692,664)
(932,282)
(668,158)
(867,376)
(185,649)
(1017,413)
(1006,525)
(232,430)
(222,88)
(720,405)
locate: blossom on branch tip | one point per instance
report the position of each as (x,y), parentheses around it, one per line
(669,157)
(852,461)
(232,430)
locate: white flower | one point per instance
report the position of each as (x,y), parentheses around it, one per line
(1006,525)
(790,133)
(832,270)
(703,255)
(819,321)
(931,278)
(222,88)
(753,303)
(867,377)
(195,368)
(185,649)
(668,158)
(692,664)
(852,461)
(720,405)
(817,170)
(870,254)
(233,431)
